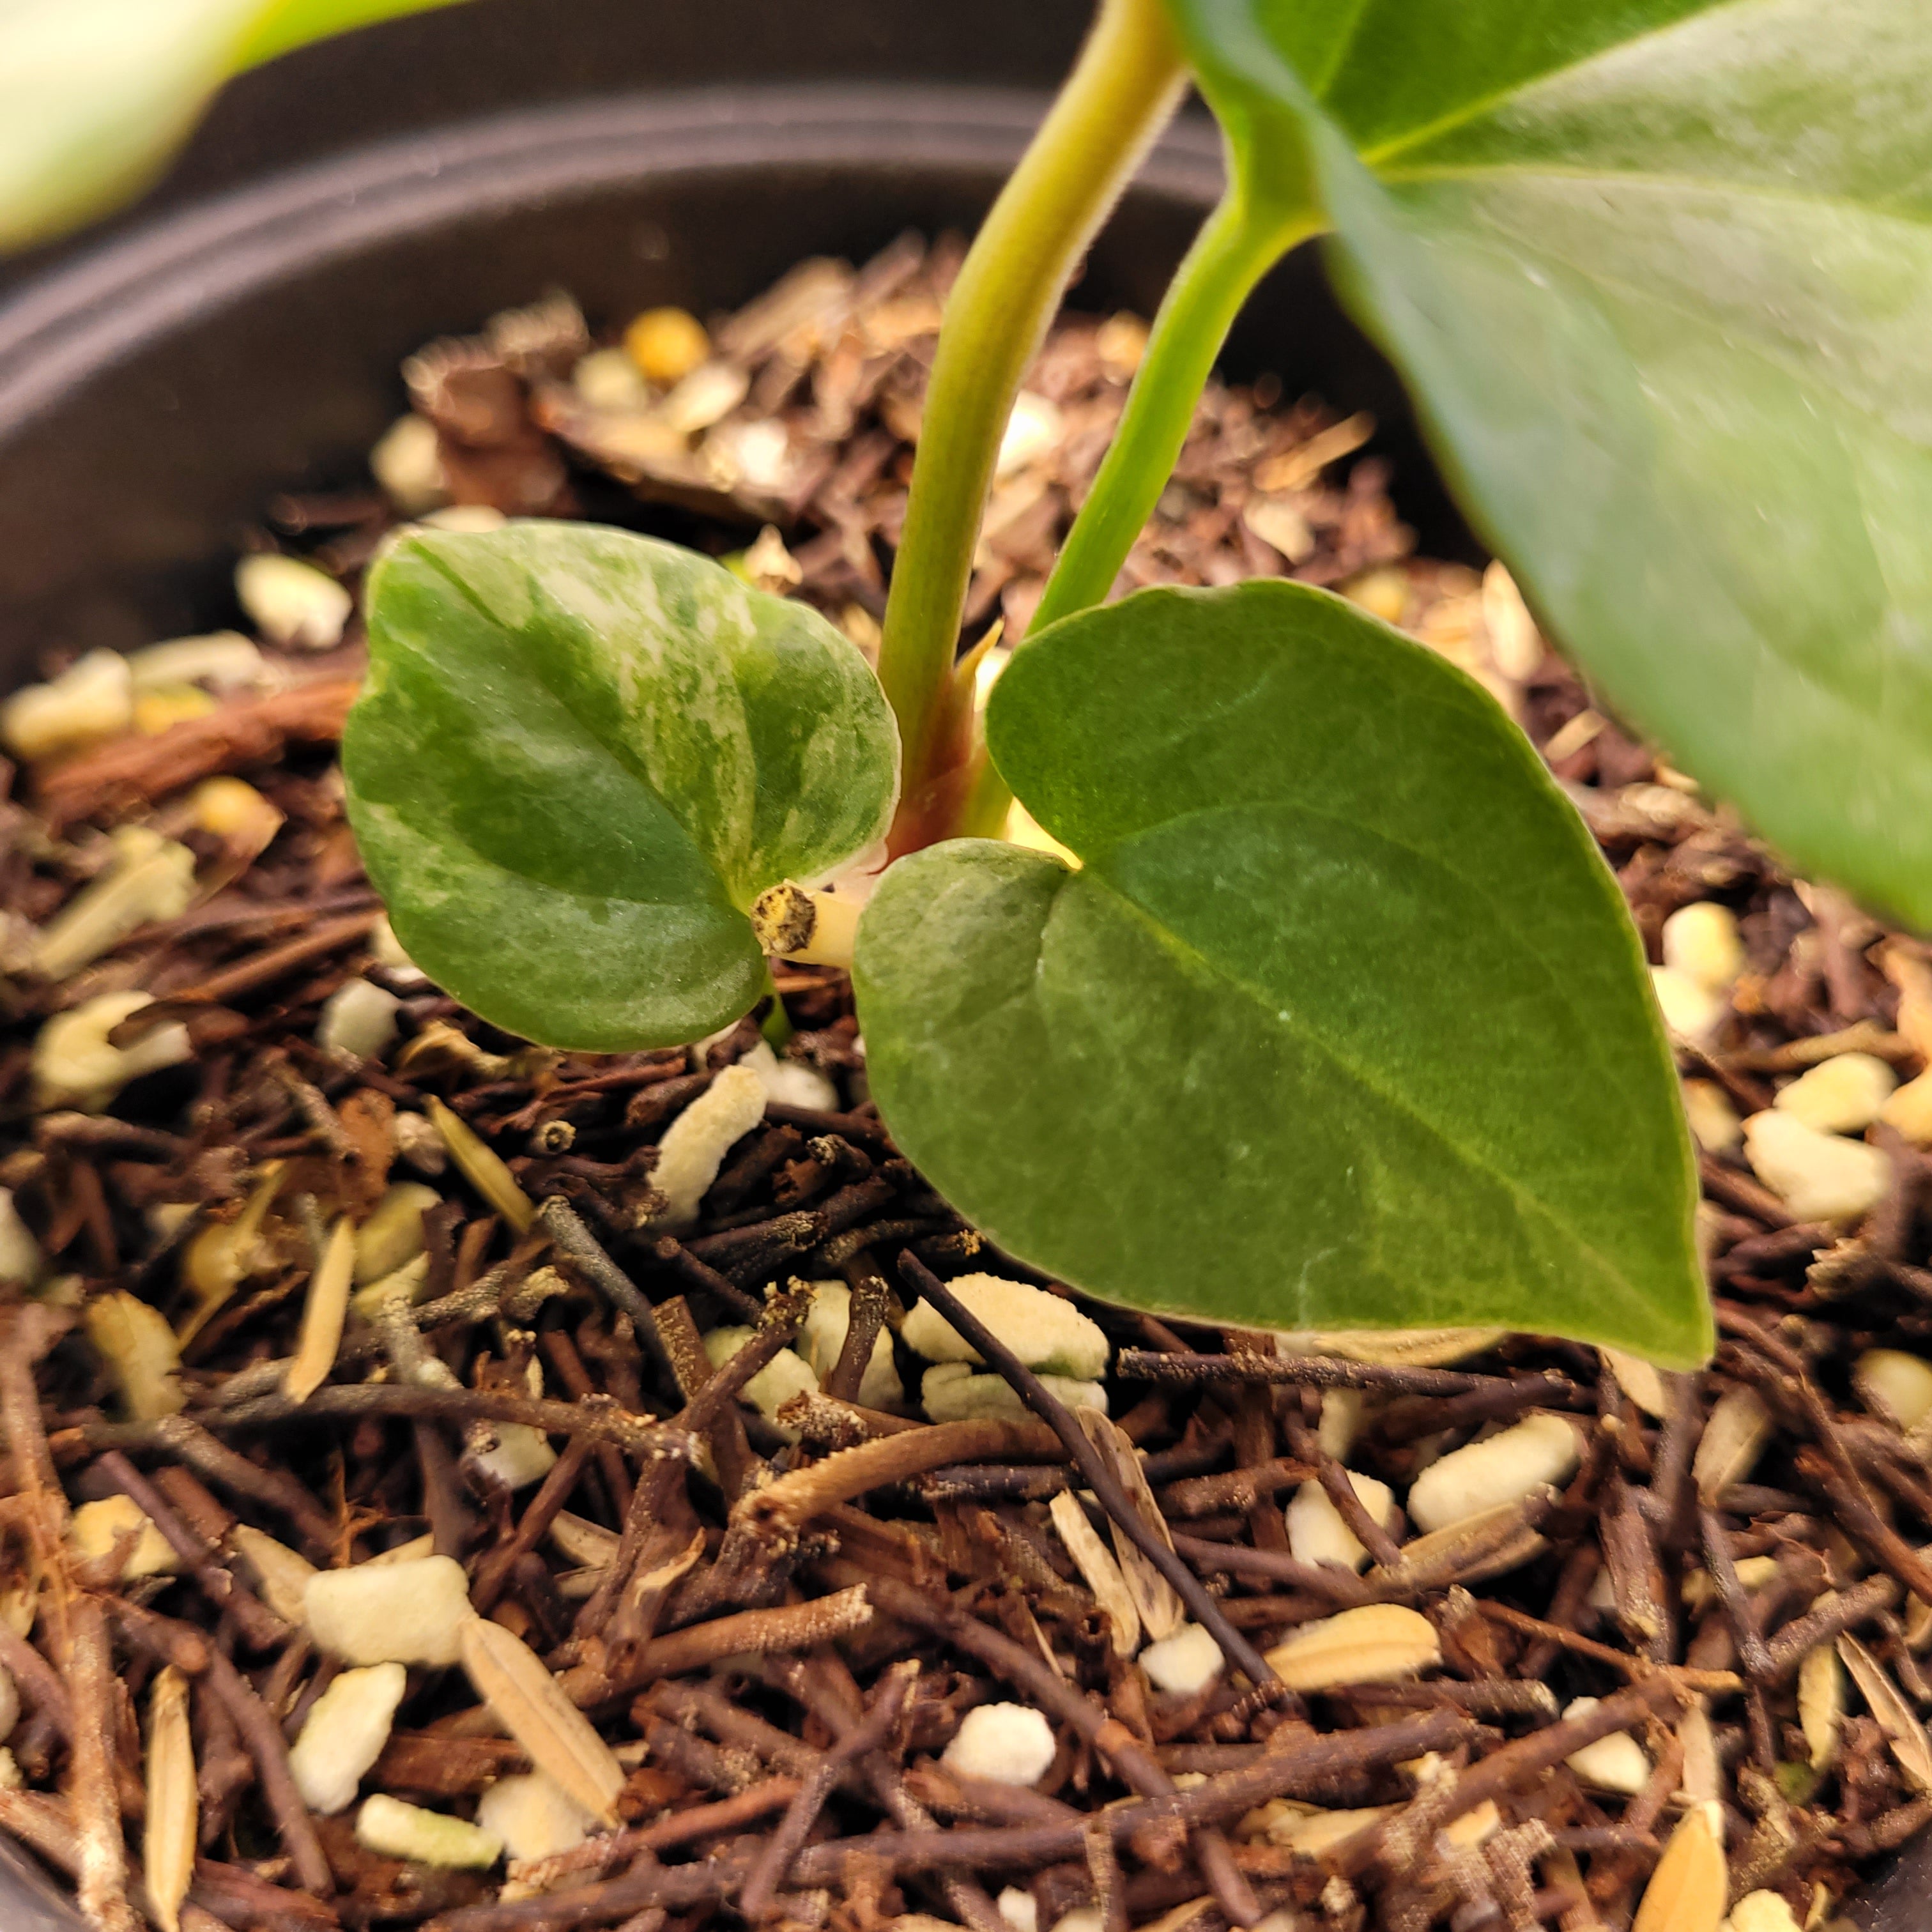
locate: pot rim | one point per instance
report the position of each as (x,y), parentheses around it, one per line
(64,329)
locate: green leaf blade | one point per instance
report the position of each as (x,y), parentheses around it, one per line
(1660,274)
(1340,1024)
(581,754)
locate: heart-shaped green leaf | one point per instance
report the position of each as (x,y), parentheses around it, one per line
(1660,272)
(1341,1024)
(581,754)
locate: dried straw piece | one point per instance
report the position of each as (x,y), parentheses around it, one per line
(1490,1543)
(1092,1559)
(1733,1439)
(174,1809)
(1896,1718)
(323,1314)
(1687,1891)
(511,1679)
(481,1166)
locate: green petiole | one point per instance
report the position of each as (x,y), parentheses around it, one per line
(1120,93)
(1235,249)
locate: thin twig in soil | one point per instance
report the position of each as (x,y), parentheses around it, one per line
(1094,1465)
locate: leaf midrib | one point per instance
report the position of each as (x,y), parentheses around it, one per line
(1483,104)
(1658,179)
(1270,1011)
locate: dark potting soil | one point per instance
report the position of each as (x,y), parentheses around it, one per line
(720,1558)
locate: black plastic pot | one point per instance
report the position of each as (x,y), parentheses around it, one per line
(239,332)
(157,384)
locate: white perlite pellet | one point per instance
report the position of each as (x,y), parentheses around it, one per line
(1842,1095)
(94,1528)
(1006,1744)
(954,1392)
(1617,1762)
(823,1338)
(386,950)
(523,1456)
(1690,1011)
(1503,1468)
(389,1612)
(406,460)
(1895,1384)
(1715,1123)
(1341,1412)
(695,1144)
(281,1574)
(534,1816)
(151,878)
(1316,1533)
(393,1234)
(358,1019)
(399,1830)
(92,699)
(20,1258)
(1019,1909)
(790,1082)
(291,602)
(1047,1333)
(75,1065)
(786,1374)
(1701,941)
(1182,1664)
(1819,1176)
(224,659)
(346,1730)
(1762,1912)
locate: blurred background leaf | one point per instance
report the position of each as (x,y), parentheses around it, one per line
(95,95)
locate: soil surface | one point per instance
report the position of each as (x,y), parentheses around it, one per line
(1655,1646)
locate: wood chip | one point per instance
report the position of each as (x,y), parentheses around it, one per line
(323,1314)
(511,1679)
(1162,1612)
(1701,1780)
(1896,1718)
(1092,1559)
(168,1839)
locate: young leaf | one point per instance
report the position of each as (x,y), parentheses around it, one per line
(94,93)
(1341,1022)
(1660,274)
(581,754)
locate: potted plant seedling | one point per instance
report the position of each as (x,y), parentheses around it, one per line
(1324,929)
(1316,1006)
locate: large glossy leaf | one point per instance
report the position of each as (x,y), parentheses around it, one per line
(1340,1024)
(580,757)
(94,93)
(1660,272)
